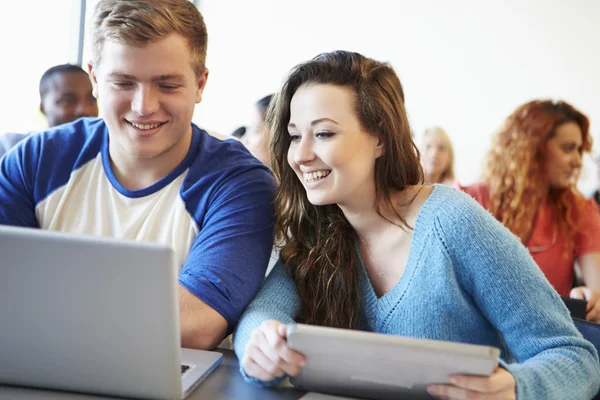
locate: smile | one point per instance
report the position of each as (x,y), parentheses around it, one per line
(315,176)
(146,127)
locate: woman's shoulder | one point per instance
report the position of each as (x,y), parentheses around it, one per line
(458,214)
(452,195)
(452,206)
(480,191)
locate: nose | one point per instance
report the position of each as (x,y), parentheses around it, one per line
(145,101)
(303,151)
(576,161)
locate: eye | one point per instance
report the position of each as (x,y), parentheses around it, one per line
(67,102)
(324,135)
(123,85)
(568,148)
(168,87)
(294,138)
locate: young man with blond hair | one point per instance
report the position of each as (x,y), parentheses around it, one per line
(145,172)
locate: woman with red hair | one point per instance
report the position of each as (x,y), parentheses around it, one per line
(529,185)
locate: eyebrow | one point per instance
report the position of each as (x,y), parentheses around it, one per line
(316,121)
(571,142)
(165,77)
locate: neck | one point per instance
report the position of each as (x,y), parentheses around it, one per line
(368,224)
(136,173)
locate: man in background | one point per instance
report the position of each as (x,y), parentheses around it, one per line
(65,95)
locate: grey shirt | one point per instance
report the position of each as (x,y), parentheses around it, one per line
(9,140)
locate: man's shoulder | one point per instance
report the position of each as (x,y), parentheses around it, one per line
(225,158)
(47,159)
(225,169)
(72,132)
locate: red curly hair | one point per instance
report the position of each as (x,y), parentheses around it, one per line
(514,169)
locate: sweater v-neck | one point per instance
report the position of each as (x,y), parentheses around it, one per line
(378,309)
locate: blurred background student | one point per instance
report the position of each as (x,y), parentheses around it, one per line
(65,95)
(528,184)
(438,157)
(256,137)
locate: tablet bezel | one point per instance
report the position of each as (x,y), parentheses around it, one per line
(358,363)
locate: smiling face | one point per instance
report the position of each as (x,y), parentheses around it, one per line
(563,154)
(147,95)
(68,97)
(330,152)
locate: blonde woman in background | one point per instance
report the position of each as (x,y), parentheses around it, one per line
(438,157)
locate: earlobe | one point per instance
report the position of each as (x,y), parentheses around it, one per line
(380,148)
(93,80)
(201,85)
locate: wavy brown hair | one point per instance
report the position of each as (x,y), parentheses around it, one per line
(319,244)
(514,169)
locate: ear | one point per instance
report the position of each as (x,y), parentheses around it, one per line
(201,85)
(42,108)
(93,79)
(380,149)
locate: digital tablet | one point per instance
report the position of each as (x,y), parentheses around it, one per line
(373,365)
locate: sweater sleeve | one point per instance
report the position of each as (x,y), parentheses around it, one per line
(552,360)
(277,300)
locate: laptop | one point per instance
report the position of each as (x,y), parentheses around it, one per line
(377,366)
(93,315)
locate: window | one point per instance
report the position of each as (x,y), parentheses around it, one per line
(26,55)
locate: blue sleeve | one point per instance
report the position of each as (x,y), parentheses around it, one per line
(277,300)
(229,257)
(42,163)
(552,360)
(17,183)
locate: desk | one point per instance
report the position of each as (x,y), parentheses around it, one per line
(225,383)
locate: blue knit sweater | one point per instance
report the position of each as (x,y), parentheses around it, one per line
(468,279)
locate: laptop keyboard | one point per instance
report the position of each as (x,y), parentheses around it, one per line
(184,368)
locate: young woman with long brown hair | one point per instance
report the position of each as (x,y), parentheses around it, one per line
(529,185)
(367,246)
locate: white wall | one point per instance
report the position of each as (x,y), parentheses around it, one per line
(464,64)
(34,36)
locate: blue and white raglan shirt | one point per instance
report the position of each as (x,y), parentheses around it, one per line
(215,209)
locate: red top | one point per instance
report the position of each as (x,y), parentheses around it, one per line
(546,244)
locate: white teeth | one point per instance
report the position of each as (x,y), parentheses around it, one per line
(145,126)
(315,176)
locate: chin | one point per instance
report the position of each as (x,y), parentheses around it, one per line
(319,201)
(145,154)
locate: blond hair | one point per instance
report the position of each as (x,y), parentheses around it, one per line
(442,135)
(140,22)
